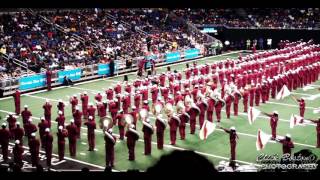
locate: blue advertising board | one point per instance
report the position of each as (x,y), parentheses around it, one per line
(191,53)
(154,57)
(74,74)
(34,81)
(172,57)
(103,69)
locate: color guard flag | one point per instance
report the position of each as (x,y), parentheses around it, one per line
(262,139)
(253,113)
(295,120)
(284,92)
(207,128)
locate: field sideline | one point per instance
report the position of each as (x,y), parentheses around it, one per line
(215,148)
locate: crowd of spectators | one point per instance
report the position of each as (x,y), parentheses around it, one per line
(276,18)
(129,33)
(93,36)
(223,17)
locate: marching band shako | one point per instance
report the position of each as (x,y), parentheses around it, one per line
(134,132)
(110,137)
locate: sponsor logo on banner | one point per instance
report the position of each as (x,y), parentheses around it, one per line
(31,82)
(74,74)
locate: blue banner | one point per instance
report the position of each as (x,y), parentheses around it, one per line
(172,57)
(34,81)
(191,53)
(103,69)
(154,57)
(74,74)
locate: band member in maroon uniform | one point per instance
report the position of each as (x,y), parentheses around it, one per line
(233,141)
(193,112)
(132,136)
(137,99)
(147,130)
(287,144)
(318,131)
(126,102)
(174,122)
(48,140)
(121,124)
(134,113)
(98,97)
(61,134)
(257,94)
(74,102)
(91,126)
(17,153)
(84,100)
(109,93)
(110,142)
(72,136)
(302,105)
(102,112)
(160,127)
(117,88)
(273,123)
(236,99)
(48,77)
(77,116)
(47,111)
(18,133)
(43,125)
(184,118)
(26,114)
(218,107)
(203,107)
(12,124)
(228,99)
(34,147)
(4,141)
(61,106)
(17,102)
(211,103)
(91,110)
(245,95)
(60,119)
(113,109)
(252,92)
(30,128)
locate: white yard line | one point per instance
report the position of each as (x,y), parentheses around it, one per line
(314,85)
(291,105)
(301,94)
(85,89)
